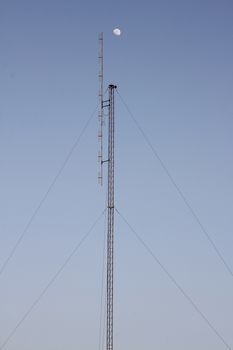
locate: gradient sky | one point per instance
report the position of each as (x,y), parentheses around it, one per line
(173,68)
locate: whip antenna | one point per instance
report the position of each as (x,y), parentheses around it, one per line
(101,110)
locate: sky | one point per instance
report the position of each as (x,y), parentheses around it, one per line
(173,68)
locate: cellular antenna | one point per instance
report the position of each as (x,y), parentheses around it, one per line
(101,107)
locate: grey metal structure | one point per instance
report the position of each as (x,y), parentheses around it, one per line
(109,104)
(101,107)
(110,232)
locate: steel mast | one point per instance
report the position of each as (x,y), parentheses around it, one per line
(110,232)
(109,104)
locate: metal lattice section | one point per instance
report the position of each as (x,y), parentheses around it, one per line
(110,233)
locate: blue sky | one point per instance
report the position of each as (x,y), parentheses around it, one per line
(173,68)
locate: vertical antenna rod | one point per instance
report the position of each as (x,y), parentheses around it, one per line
(101,110)
(110,233)
(110,160)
